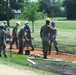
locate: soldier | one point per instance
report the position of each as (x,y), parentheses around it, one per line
(28,39)
(44,33)
(6,29)
(53,34)
(6,26)
(3,34)
(15,35)
(21,37)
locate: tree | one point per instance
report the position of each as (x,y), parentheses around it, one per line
(30,13)
(45,5)
(55,9)
(16,4)
(3,12)
(52,13)
(2,6)
(51,7)
(70,6)
(3,9)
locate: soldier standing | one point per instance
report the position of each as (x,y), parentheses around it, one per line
(3,34)
(53,34)
(6,26)
(21,37)
(6,29)
(45,33)
(15,35)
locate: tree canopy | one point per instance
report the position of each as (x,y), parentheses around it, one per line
(51,8)
(16,4)
(30,12)
(2,7)
(45,6)
(70,6)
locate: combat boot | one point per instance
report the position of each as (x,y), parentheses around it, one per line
(45,56)
(5,56)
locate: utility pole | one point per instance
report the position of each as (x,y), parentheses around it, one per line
(7,12)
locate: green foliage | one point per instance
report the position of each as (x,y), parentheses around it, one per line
(29,11)
(2,7)
(45,5)
(16,5)
(3,12)
(70,6)
(56,9)
(52,8)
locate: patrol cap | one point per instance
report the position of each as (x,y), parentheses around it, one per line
(52,23)
(18,22)
(48,19)
(26,26)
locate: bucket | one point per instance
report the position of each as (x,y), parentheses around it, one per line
(27,52)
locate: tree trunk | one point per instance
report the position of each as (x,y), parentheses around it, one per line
(32,26)
(7,12)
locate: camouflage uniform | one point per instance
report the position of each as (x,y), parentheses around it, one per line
(53,34)
(3,34)
(44,33)
(21,37)
(14,37)
(28,39)
(6,26)
(53,39)
(7,29)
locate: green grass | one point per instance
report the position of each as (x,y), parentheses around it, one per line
(65,37)
(66,41)
(20,61)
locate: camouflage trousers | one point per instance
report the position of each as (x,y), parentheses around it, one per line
(3,48)
(45,45)
(53,40)
(21,45)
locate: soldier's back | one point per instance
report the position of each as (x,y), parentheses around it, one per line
(45,30)
(21,32)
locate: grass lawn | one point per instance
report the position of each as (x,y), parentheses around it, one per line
(20,61)
(66,34)
(66,41)
(42,67)
(65,37)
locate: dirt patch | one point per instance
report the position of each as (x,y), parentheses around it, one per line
(60,67)
(63,56)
